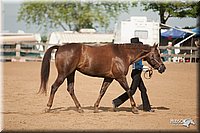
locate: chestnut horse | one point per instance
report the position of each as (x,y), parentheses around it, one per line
(110,61)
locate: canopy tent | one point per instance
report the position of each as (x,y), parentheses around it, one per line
(197,31)
(174,33)
(178,33)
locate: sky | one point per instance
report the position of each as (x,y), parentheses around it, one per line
(9,23)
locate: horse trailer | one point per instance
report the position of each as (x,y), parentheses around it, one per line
(146,31)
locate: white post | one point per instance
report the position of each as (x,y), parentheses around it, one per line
(169,49)
(18,48)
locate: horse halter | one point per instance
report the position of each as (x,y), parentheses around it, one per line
(155,60)
(148,74)
(160,64)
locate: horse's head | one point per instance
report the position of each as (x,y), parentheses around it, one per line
(154,59)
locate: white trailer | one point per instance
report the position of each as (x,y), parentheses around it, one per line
(147,31)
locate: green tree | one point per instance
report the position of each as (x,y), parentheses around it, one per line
(72,15)
(173,9)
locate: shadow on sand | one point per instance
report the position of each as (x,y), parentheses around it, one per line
(105,109)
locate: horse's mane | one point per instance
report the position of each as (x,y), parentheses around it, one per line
(90,44)
(121,45)
(133,45)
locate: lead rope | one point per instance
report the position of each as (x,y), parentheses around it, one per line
(148,73)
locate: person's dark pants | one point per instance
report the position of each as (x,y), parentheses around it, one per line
(137,82)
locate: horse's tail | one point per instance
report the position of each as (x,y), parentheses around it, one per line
(45,69)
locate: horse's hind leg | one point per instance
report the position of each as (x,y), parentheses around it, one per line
(106,83)
(70,89)
(54,88)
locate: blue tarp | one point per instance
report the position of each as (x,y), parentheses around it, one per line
(174,33)
(197,31)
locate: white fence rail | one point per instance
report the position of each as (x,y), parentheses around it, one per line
(18,52)
(189,53)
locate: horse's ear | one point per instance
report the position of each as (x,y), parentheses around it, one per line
(155,45)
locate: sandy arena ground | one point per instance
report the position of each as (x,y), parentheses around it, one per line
(173,95)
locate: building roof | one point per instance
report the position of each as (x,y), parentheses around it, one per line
(75,37)
(14,38)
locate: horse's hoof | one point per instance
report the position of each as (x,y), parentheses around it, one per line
(96,111)
(113,109)
(80,110)
(135,111)
(47,110)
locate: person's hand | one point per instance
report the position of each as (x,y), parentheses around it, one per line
(147,72)
(145,68)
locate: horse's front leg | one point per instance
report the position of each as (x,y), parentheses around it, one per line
(106,83)
(70,89)
(124,84)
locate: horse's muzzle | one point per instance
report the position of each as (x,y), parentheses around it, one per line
(162,68)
